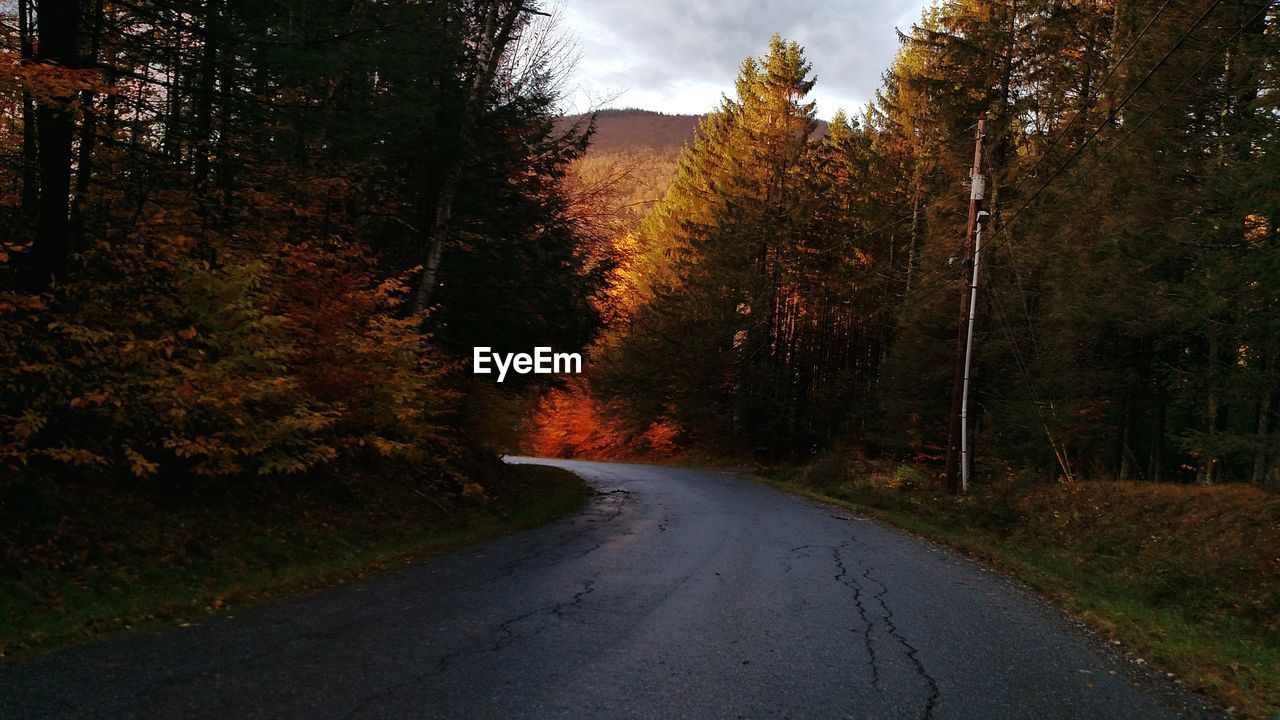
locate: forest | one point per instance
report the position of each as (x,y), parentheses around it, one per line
(797,289)
(247,241)
(253,241)
(217,267)
(248,247)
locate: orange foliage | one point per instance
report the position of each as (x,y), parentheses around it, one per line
(660,438)
(573,422)
(282,356)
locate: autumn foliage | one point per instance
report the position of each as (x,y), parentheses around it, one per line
(235,251)
(270,362)
(572,422)
(796,285)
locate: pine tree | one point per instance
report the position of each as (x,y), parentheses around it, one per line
(724,252)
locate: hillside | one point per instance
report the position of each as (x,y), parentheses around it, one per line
(631,129)
(631,161)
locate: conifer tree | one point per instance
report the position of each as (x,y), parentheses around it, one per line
(722,323)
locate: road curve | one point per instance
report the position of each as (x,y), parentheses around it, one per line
(676,594)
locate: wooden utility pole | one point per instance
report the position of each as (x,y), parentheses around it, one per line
(966,445)
(977,190)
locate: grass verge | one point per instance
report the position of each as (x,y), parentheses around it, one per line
(153,566)
(1187,577)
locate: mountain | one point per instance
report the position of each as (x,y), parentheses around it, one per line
(631,129)
(630,163)
(632,159)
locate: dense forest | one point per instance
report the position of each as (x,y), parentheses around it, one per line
(252,240)
(794,290)
(248,249)
(244,241)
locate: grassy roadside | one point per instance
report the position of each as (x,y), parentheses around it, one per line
(1187,577)
(194,563)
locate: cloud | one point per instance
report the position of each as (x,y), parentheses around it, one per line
(680,55)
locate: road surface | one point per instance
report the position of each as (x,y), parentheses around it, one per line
(676,594)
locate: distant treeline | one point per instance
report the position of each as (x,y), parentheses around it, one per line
(631,130)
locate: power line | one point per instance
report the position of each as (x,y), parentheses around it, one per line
(1111,116)
(1138,125)
(1172,93)
(994,244)
(1098,90)
(995,241)
(997,305)
(1061,134)
(1022,294)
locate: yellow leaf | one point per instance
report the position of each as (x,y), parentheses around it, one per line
(139,465)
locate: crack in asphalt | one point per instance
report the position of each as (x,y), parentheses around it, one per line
(584,525)
(855,583)
(508,637)
(912,651)
(848,581)
(604,538)
(588,587)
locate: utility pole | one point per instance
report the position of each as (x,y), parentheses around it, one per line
(978,185)
(966,451)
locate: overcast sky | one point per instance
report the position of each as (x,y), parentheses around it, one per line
(678,56)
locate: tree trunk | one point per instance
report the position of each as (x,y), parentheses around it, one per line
(1262,426)
(59,25)
(1125,421)
(1263,431)
(202,142)
(88,138)
(1209,463)
(1272,477)
(1155,462)
(913,244)
(30,184)
(203,121)
(499,25)
(171,146)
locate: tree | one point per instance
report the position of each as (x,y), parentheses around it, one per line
(725,327)
(59,51)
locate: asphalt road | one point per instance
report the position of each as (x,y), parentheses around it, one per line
(676,594)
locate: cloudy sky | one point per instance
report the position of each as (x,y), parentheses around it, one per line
(678,56)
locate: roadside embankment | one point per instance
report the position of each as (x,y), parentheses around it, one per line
(104,562)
